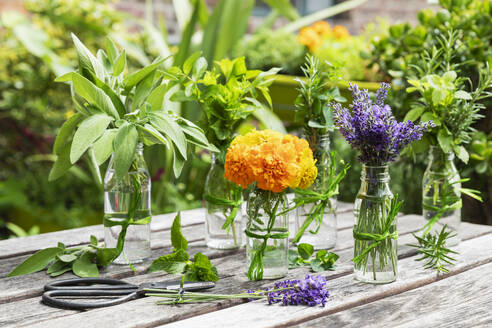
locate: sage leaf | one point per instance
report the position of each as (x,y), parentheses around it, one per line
(106,256)
(63,136)
(94,95)
(156,97)
(62,163)
(87,60)
(67,258)
(125,145)
(89,131)
(178,163)
(111,50)
(84,267)
(177,239)
(197,137)
(61,271)
(103,147)
(57,266)
(132,79)
(119,64)
(142,90)
(36,262)
(167,125)
(155,136)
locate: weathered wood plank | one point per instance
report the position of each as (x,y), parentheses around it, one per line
(143,313)
(15,288)
(459,301)
(346,293)
(73,237)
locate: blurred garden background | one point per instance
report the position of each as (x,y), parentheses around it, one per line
(372,41)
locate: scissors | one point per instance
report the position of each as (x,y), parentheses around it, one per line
(62,292)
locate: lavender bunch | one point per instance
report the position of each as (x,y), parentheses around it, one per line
(309,291)
(372,129)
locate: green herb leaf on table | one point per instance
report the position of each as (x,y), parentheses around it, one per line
(323,260)
(82,260)
(434,253)
(178,262)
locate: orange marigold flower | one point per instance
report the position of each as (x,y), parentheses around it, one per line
(275,162)
(322,28)
(309,37)
(341,32)
(237,168)
(276,167)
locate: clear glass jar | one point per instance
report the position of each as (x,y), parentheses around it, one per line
(223,201)
(440,188)
(267,233)
(371,210)
(127,203)
(316,223)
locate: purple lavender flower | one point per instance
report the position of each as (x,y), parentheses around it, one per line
(308,291)
(372,129)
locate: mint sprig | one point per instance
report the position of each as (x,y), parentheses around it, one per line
(323,260)
(178,262)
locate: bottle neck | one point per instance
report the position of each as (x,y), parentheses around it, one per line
(439,160)
(375,174)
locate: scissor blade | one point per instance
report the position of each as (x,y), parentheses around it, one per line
(175,285)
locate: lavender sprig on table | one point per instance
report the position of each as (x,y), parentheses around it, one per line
(372,129)
(309,291)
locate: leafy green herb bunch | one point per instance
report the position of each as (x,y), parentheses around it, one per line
(227,93)
(117,110)
(441,87)
(316,93)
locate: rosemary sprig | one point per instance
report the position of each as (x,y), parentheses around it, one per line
(368,244)
(433,250)
(320,200)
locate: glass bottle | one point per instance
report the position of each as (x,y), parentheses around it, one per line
(371,210)
(127,200)
(321,232)
(441,188)
(267,217)
(223,201)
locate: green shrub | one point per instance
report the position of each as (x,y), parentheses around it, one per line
(272,48)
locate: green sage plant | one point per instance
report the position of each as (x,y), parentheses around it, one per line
(322,261)
(179,262)
(116,111)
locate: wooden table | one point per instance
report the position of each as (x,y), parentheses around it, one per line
(462,298)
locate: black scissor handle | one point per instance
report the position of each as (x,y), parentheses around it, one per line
(50,298)
(85,284)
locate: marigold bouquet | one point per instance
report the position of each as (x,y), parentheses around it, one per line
(272,160)
(269,162)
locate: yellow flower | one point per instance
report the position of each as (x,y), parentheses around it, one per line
(309,37)
(322,28)
(341,32)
